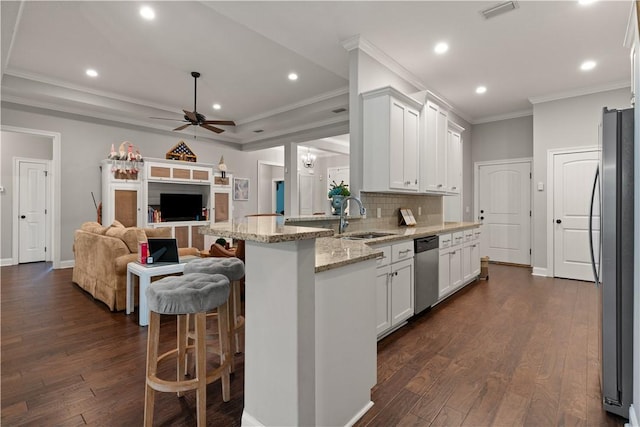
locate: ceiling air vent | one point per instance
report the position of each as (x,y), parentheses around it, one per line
(499,9)
(258,130)
(339,110)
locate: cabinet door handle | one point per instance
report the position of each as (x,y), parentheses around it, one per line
(439,185)
(404,251)
(453,188)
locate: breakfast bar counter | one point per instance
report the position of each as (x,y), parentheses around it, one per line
(310,339)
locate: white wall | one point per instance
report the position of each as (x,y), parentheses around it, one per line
(502,140)
(565,123)
(267,173)
(16,145)
(85,142)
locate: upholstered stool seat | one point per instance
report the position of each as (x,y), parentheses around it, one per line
(233,269)
(191,294)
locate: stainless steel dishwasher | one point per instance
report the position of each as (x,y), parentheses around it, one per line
(426,272)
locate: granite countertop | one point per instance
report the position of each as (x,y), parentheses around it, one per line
(403,232)
(331,252)
(264,229)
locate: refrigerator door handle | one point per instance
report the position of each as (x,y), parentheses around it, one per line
(596,272)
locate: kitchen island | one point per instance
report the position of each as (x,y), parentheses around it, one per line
(310,339)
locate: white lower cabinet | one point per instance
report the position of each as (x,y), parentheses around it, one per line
(459,262)
(383,314)
(394,287)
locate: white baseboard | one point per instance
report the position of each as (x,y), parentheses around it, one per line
(539,271)
(249,421)
(634,419)
(70,263)
(360,414)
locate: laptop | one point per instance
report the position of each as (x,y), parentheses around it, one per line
(163,251)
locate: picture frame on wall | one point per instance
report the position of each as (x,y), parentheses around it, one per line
(240,188)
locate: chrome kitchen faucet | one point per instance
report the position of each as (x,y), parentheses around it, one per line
(343,221)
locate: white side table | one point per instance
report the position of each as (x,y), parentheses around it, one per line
(145,274)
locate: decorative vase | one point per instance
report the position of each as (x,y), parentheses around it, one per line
(336,203)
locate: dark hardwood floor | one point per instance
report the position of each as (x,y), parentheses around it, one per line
(515,350)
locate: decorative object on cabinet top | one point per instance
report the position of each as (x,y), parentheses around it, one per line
(181,151)
(125,163)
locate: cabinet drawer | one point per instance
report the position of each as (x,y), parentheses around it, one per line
(401,251)
(457,238)
(444,240)
(468,235)
(385,259)
(477,233)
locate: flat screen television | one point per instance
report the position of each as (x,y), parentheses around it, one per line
(180,207)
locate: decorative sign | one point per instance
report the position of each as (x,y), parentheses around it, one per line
(406,217)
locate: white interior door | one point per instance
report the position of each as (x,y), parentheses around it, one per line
(305,198)
(32,202)
(572,184)
(504,208)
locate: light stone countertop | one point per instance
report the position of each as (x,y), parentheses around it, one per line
(264,229)
(331,252)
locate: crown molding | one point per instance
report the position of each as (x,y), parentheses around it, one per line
(579,92)
(296,129)
(304,103)
(359,42)
(58,83)
(98,117)
(507,116)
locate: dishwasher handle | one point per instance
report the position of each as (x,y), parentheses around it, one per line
(425,244)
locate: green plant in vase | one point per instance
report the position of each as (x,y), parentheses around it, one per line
(337,193)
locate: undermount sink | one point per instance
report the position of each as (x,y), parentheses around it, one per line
(366,235)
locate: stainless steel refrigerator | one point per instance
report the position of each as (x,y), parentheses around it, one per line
(612,259)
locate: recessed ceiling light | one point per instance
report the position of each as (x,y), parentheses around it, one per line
(588,65)
(481,89)
(91,72)
(147,13)
(216,106)
(441,48)
(586,2)
(293,76)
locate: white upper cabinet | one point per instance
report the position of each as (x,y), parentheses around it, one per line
(390,141)
(454,162)
(433,149)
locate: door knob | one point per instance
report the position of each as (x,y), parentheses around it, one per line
(22,216)
(481,210)
(558,221)
(481,218)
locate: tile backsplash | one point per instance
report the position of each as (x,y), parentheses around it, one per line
(430,208)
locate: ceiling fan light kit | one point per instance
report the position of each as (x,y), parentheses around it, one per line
(193,118)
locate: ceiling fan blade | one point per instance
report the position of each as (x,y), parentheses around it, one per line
(166,118)
(191,115)
(183,126)
(219,122)
(212,128)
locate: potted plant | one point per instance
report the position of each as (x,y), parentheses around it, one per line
(337,193)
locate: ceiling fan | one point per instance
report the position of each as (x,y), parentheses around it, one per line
(193,118)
